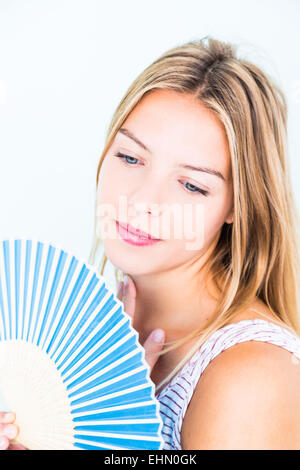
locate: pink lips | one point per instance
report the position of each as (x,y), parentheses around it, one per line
(133,236)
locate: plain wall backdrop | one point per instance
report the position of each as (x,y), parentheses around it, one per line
(65,65)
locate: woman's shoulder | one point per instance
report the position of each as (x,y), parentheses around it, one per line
(249,394)
(248,397)
(255,342)
(253,335)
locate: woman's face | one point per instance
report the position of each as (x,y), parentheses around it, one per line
(156,189)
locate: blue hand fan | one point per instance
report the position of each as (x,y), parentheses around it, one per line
(71,366)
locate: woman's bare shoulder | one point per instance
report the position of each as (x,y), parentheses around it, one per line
(247,397)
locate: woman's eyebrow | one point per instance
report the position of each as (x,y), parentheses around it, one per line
(129,134)
(211,171)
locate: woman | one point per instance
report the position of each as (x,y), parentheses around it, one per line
(199,143)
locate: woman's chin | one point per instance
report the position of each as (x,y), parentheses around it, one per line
(129,259)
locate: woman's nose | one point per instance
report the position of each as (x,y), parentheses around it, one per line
(147,200)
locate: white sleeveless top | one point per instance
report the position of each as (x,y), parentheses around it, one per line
(176,395)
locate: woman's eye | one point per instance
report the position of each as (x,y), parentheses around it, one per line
(131,161)
(194,189)
(127,159)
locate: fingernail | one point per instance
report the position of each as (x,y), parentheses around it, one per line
(158,336)
(3,443)
(10,431)
(126,282)
(119,286)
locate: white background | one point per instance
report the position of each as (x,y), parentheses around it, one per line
(64,66)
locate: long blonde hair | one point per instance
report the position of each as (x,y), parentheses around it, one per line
(258,254)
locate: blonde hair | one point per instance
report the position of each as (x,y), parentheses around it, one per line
(258,254)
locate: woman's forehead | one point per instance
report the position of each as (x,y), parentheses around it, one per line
(179,126)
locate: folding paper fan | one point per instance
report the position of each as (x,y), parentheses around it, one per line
(71,366)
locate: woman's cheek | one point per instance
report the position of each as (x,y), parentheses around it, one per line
(203,221)
(194,226)
(213,221)
(109,184)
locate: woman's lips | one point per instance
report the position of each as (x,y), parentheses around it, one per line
(133,236)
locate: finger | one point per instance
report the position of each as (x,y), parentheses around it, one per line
(153,345)
(8,430)
(7,417)
(129,296)
(4,443)
(17,447)
(120,291)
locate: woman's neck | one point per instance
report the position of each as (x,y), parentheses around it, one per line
(178,301)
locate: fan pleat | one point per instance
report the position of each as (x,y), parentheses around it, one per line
(123,442)
(63,285)
(58,272)
(8,288)
(101,348)
(100,330)
(126,364)
(71,366)
(78,329)
(133,395)
(114,352)
(64,313)
(128,411)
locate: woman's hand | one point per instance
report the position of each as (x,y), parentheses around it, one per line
(8,431)
(155,340)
